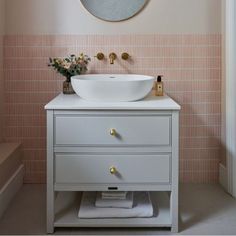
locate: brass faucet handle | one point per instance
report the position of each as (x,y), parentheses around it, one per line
(100,56)
(125,56)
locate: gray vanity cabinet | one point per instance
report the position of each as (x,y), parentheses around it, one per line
(100,147)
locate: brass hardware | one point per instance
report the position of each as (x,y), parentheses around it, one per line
(100,56)
(112,132)
(112,57)
(125,56)
(113,170)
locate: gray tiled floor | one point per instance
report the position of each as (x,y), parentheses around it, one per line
(204,209)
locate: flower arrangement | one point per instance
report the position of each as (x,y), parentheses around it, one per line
(70,66)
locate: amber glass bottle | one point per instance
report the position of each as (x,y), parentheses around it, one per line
(159,90)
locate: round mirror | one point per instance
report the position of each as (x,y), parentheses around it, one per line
(114,10)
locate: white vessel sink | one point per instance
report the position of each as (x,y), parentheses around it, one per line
(112,87)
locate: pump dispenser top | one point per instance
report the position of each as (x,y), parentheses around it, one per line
(159,77)
(159,91)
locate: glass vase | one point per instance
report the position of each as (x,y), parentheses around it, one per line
(67,87)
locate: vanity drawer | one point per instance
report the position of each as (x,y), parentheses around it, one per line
(97,169)
(127,130)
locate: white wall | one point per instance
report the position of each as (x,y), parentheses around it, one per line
(2,30)
(69,17)
(230,85)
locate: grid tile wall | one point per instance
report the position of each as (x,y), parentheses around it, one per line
(191,65)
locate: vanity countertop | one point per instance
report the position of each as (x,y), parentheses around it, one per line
(74,102)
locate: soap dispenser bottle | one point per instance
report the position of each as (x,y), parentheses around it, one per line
(159,90)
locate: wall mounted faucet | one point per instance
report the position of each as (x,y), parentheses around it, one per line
(112,57)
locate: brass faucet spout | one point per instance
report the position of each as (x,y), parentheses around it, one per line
(112,57)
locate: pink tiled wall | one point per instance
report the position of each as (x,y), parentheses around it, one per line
(191,65)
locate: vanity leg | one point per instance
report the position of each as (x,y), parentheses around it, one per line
(174,214)
(50,179)
(50,213)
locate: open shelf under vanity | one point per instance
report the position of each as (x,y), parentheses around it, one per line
(67,206)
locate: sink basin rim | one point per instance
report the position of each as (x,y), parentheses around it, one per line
(113,77)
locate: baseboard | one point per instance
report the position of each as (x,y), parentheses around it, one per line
(223,176)
(9,190)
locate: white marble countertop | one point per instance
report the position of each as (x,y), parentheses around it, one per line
(74,102)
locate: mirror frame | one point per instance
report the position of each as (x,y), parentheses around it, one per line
(100,18)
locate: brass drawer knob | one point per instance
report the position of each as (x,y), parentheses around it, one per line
(112,132)
(113,170)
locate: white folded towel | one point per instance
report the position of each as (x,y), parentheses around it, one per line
(142,207)
(114,195)
(116,203)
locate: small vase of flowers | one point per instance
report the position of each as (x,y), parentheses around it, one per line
(68,67)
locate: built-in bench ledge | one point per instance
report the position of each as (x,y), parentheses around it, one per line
(11,173)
